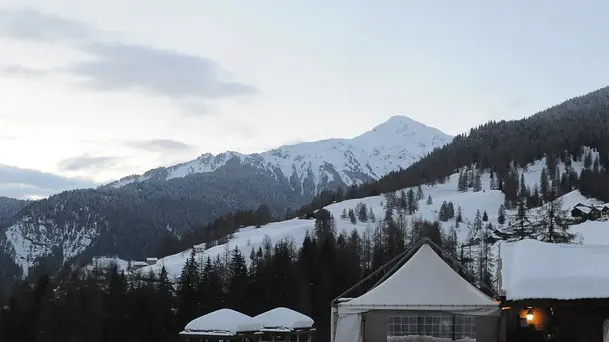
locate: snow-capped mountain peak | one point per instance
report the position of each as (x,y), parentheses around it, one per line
(310,167)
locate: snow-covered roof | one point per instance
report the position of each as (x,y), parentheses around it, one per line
(425,282)
(583,208)
(223,322)
(535,269)
(284,318)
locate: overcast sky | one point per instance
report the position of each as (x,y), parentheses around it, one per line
(91,91)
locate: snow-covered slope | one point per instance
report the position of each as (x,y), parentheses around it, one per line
(310,167)
(594,232)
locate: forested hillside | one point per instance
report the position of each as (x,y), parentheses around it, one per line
(557,132)
(9,207)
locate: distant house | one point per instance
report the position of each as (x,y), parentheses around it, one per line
(151,261)
(604,210)
(137,265)
(557,292)
(585,212)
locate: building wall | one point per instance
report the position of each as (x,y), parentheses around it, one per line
(375,326)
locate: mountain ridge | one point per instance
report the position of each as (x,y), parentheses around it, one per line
(313,166)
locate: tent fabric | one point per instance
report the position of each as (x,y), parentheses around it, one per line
(424,283)
(349,328)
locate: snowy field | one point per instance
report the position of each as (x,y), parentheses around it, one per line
(591,232)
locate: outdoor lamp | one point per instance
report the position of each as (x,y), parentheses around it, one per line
(530,315)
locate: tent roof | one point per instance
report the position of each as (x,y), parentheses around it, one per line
(534,269)
(425,282)
(224,321)
(284,318)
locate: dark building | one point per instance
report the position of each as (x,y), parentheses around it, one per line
(556,292)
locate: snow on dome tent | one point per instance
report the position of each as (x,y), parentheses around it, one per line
(420,298)
(223,324)
(551,289)
(286,324)
(280,324)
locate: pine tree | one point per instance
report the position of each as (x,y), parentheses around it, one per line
(420,194)
(429,200)
(524,191)
(451,210)
(486,259)
(459,214)
(501,215)
(588,160)
(344,214)
(462,181)
(451,241)
(187,290)
(521,228)
(362,212)
(477,181)
(371,216)
(413,205)
(352,217)
(544,184)
(238,278)
(475,228)
(443,212)
(485,216)
(551,225)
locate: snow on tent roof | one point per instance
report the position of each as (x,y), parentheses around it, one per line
(284,318)
(535,269)
(222,322)
(425,282)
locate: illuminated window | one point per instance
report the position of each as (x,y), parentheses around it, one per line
(454,327)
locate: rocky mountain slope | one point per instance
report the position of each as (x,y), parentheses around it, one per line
(9,207)
(133,217)
(310,167)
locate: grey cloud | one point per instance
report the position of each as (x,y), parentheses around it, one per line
(120,66)
(117,66)
(25,183)
(29,24)
(161,145)
(20,70)
(86,162)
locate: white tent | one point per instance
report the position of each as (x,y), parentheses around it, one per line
(284,318)
(423,283)
(223,322)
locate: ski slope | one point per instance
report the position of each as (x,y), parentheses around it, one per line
(595,232)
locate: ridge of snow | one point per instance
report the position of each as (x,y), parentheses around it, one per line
(487,200)
(394,144)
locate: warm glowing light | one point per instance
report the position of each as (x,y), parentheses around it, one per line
(530,315)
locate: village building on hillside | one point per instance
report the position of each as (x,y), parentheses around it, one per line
(421,298)
(587,212)
(557,292)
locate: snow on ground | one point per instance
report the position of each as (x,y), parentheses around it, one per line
(470,202)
